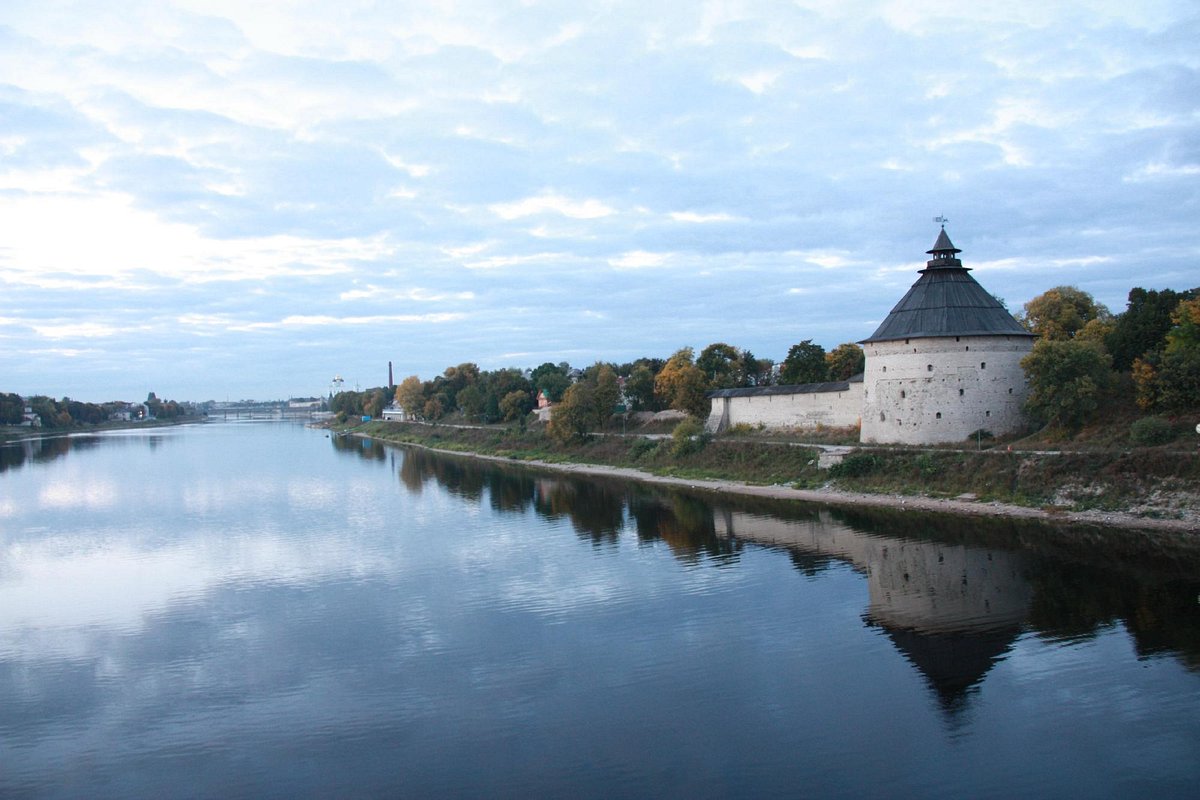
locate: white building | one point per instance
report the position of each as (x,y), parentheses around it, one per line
(945,363)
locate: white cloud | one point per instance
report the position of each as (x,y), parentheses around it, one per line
(639,259)
(79,330)
(692,216)
(589,208)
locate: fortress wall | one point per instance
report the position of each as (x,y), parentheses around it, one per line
(801,410)
(939,390)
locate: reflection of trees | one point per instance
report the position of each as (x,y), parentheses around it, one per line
(685,523)
(16,454)
(369,449)
(1077,602)
(596,510)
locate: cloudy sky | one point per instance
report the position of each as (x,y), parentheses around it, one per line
(217,199)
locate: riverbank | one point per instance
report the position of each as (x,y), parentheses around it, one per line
(14,433)
(792,474)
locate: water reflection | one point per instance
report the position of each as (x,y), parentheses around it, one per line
(596,509)
(255,615)
(951,600)
(44,449)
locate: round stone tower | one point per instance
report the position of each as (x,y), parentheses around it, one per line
(946,362)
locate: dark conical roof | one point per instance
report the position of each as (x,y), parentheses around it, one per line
(943,245)
(946,301)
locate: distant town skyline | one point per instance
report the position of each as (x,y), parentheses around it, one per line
(213,200)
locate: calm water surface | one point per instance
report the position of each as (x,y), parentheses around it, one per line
(261,610)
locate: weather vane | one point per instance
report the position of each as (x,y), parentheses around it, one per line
(942,220)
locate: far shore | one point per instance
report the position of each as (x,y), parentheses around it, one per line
(835,497)
(14,433)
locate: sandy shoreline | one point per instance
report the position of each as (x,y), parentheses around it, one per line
(835,497)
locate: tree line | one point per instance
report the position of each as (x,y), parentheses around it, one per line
(1087,357)
(587,397)
(68,413)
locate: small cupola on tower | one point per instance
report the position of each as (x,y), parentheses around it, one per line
(944,253)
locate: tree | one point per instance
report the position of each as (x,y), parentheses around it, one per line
(1143,326)
(472,401)
(755,371)
(608,393)
(586,405)
(1170,379)
(639,388)
(1061,312)
(551,380)
(845,361)
(805,363)
(681,385)
(410,395)
(1068,379)
(12,409)
(515,405)
(722,366)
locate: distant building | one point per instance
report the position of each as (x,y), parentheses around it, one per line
(395,413)
(30,419)
(944,364)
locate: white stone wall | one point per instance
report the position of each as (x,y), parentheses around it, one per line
(806,410)
(935,390)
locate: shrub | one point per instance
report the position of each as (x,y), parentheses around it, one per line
(688,437)
(855,465)
(1151,431)
(927,466)
(641,447)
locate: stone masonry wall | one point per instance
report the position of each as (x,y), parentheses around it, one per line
(938,390)
(803,410)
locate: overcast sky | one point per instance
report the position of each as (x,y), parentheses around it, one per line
(213,200)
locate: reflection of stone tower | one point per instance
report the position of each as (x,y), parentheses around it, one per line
(951,610)
(946,362)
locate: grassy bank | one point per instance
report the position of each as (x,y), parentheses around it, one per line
(749,462)
(1158,482)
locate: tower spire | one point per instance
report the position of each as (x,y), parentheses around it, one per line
(943,250)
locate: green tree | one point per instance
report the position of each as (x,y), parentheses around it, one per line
(472,401)
(515,405)
(639,388)
(722,366)
(12,409)
(1142,327)
(552,380)
(1068,380)
(805,363)
(586,405)
(608,393)
(845,361)
(1061,312)
(682,386)
(1170,380)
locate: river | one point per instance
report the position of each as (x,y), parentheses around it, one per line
(258,609)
